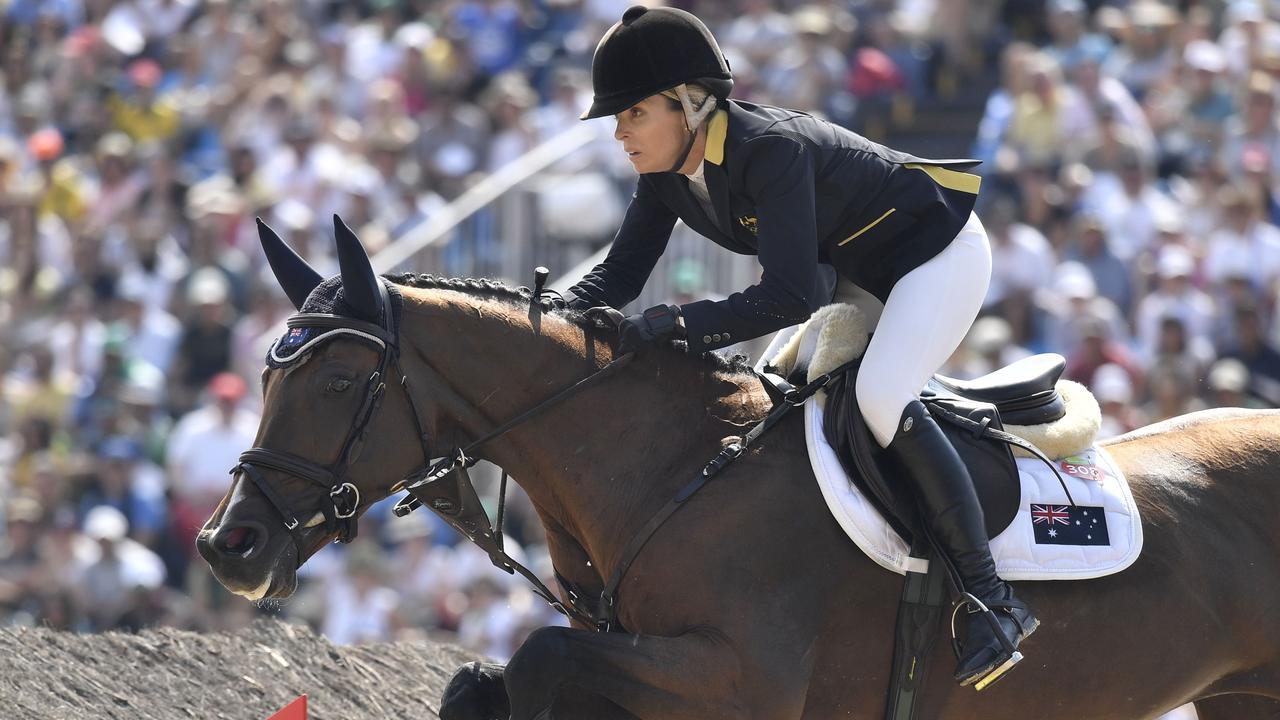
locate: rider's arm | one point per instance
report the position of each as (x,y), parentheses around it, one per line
(640,241)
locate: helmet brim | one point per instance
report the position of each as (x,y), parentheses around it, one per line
(613,106)
(602,107)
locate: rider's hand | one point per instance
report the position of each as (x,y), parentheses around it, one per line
(649,327)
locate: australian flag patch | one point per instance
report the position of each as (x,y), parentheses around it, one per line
(293,339)
(1069,525)
(287,346)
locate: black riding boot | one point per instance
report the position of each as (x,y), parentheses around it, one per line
(950,507)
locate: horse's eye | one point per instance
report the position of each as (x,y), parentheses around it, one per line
(338,385)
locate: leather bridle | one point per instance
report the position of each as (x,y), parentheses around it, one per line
(443,486)
(342,504)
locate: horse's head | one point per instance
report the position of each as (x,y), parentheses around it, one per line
(334,409)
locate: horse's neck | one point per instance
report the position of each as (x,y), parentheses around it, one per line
(601,462)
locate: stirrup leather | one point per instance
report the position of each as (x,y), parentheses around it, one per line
(1010,655)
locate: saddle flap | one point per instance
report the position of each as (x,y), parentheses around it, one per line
(990,464)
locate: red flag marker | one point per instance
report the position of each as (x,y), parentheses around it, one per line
(296,710)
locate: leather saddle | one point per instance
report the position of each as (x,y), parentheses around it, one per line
(971,413)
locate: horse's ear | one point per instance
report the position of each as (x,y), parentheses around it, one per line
(295,276)
(359,283)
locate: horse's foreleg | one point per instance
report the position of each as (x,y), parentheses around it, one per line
(694,676)
(475,692)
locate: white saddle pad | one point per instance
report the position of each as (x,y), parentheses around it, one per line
(1047,540)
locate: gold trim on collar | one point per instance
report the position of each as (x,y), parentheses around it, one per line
(950,179)
(717,128)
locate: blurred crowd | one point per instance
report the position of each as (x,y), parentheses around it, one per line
(1131,156)
(1132,195)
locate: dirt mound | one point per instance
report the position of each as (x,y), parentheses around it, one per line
(246,675)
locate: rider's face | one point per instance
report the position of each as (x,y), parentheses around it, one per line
(652,134)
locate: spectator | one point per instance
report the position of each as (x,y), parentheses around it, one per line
(1257,127)
(205,347)
(20,566)
(1113,387)
(1128,203)
(1021,258)
(1172,394)
(1189,110)
(131,484)
(1228,384)
(1071,305)
(1175,297)
(140,113)
(1097,348)
(116,585)
(1090,247)
(151,333)
(1260,357)
(1244,242)
(359,607)
(1147,54)
(204,446)
(1041,123)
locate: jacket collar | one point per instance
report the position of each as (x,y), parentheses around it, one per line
(717,129)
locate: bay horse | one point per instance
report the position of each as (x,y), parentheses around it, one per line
(750,602)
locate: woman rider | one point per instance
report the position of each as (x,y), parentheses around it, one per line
(801,193)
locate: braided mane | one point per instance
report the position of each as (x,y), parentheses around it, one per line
(521,297)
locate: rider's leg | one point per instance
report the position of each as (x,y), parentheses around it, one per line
(925,317)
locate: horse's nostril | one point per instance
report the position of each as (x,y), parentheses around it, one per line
(239,540)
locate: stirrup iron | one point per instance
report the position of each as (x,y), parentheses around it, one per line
(1011,654)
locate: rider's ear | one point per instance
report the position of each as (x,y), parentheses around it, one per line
(359,283)
(295,276)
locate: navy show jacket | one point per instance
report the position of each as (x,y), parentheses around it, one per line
(797,191)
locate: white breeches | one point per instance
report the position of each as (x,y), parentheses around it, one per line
(927,315)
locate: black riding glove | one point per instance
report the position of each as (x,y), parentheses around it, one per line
(651,326)
(573,302)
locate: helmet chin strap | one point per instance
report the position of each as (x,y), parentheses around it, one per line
(693,118)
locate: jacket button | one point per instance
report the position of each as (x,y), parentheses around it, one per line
(726,337)
(716,337)
(706,339)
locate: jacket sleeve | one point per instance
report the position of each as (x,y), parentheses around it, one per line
(779,177)
(646,229)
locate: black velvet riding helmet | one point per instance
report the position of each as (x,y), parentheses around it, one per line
(651,50)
